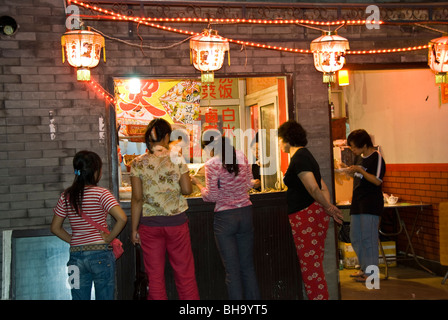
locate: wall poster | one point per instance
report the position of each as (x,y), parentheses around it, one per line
(176,101)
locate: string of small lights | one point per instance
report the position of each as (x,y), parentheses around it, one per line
(388,50)
(227,20)
(148,22)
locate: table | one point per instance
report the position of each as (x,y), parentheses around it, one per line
(402,228)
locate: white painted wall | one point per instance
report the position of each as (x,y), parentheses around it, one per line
(401,109)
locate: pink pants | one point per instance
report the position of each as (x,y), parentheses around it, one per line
(309,230)
(155,243)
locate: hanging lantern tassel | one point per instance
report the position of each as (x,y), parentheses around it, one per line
(104,51)
(63,48)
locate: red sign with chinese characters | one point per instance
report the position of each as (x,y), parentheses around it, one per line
(220,89)
(222,118)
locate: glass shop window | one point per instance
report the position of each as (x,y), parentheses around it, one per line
(35,266)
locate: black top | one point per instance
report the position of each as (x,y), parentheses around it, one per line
(367,197)
(297,196)
(256,174)
(256,171)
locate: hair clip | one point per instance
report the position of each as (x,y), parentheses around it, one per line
(153,134)
(77,172)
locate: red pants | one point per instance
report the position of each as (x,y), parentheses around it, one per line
(155,243)
(309,230)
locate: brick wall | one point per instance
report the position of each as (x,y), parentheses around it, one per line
(427,183)
(36,88)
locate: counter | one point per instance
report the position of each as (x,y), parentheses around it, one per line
(400,225)
(276,261)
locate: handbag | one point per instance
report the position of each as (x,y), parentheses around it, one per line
(344,232)
(141,280)
(117,245)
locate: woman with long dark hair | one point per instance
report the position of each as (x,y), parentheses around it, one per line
(90,249)
(158,219)
(228,178)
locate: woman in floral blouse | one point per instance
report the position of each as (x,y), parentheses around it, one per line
(159,223)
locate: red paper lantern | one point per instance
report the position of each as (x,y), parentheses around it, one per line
(438,58)
(83,50)
(207,53)
(329,54)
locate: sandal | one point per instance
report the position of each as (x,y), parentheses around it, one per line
(361,278)
(357,275)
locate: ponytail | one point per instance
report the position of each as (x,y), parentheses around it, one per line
(222,147)
(228,150)
(87,166)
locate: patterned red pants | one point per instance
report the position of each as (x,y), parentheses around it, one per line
(309,229)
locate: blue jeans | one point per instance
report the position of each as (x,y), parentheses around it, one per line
(87,267)
(234,235)
(364,237)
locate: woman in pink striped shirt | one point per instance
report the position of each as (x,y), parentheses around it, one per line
(91,257)
(228,178)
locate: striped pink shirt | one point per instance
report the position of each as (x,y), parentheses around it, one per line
(96,204)
(233,191)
